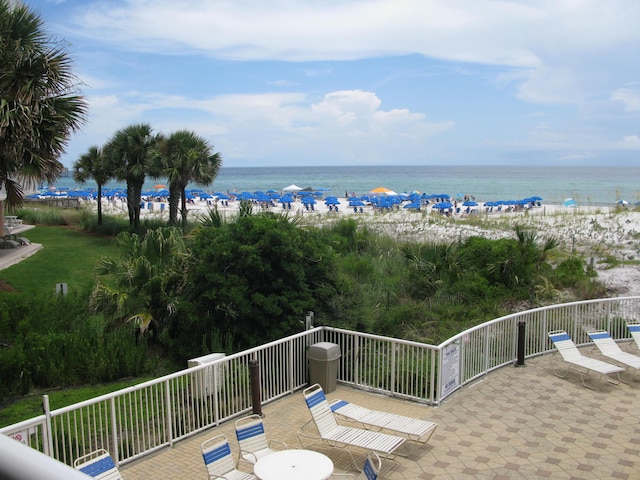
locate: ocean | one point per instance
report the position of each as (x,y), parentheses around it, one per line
(586,185)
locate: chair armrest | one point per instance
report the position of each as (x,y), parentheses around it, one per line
(282,444)
(247,453)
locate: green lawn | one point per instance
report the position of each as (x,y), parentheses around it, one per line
(68,256)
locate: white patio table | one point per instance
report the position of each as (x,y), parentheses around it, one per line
(294,465)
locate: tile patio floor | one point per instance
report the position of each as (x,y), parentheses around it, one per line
(515,423)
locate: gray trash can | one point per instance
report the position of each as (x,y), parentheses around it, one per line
(323,365)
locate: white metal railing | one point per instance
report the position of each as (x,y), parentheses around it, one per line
(138,420)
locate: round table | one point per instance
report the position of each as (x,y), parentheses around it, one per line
(294,465)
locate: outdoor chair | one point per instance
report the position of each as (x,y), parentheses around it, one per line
(370,469)
(99,465)
(219,461)
(634,330)
(610,349)
(412,428)
(252,439)
(340,436)
(578,362)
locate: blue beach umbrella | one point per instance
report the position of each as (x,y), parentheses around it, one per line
(470,203)
(413,205)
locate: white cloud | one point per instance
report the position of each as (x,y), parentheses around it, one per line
(630,97)
(342,123)
(631,142)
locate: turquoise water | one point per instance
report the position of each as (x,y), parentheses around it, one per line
(587,185)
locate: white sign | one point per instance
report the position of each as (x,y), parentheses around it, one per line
(22,437)
(450,369)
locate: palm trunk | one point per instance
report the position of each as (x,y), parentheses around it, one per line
(174,200)
(184,209)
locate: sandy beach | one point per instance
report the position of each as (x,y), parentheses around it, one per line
(596,233)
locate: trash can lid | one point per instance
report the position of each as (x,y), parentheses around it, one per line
(324,351)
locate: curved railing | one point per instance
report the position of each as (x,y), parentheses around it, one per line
(138,420)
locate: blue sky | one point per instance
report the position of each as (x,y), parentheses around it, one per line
(363,82)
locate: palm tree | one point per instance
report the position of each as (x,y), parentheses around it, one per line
(129,152)
(185,157)
(93,164)
(39,104)
(143,286)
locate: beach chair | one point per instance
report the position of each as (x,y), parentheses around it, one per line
(219,462)
(610,349)
(98,464)
(370,469)
(340,436)
(634,330)
(253,440)
(411,428)
(578,362)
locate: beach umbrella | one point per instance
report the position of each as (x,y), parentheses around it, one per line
(245,196)
(569,203)
(331,201)
(356,203)
(413,205)
(470,203)
(383,191)
(159,186)
(308,200)
(292,188)
(622,202)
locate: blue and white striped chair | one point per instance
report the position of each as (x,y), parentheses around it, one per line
(634,330)
(370,469)
(98,464)
(578,362)
(219,461)
(252,439)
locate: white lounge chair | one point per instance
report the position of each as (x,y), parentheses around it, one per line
(634,330)
(581,364)
(219,461)
(340,436)
(610,349)
(252,439)
(99,465)
(413,428)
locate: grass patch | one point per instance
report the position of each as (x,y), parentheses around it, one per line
(68,256)
(31,405)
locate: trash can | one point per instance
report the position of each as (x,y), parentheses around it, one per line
(323,365)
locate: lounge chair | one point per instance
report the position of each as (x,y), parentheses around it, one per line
(253,440)
(413,428)
(98,464)
(219,461)
(634,330)
(340,436)
(370,469)
(581,364)
(610,349)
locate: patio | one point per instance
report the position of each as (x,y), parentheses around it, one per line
(513,423)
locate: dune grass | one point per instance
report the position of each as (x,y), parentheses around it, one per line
(68,256)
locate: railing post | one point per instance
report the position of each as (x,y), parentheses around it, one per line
(169,414)
(254,371)
(521,338)
(48,440)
